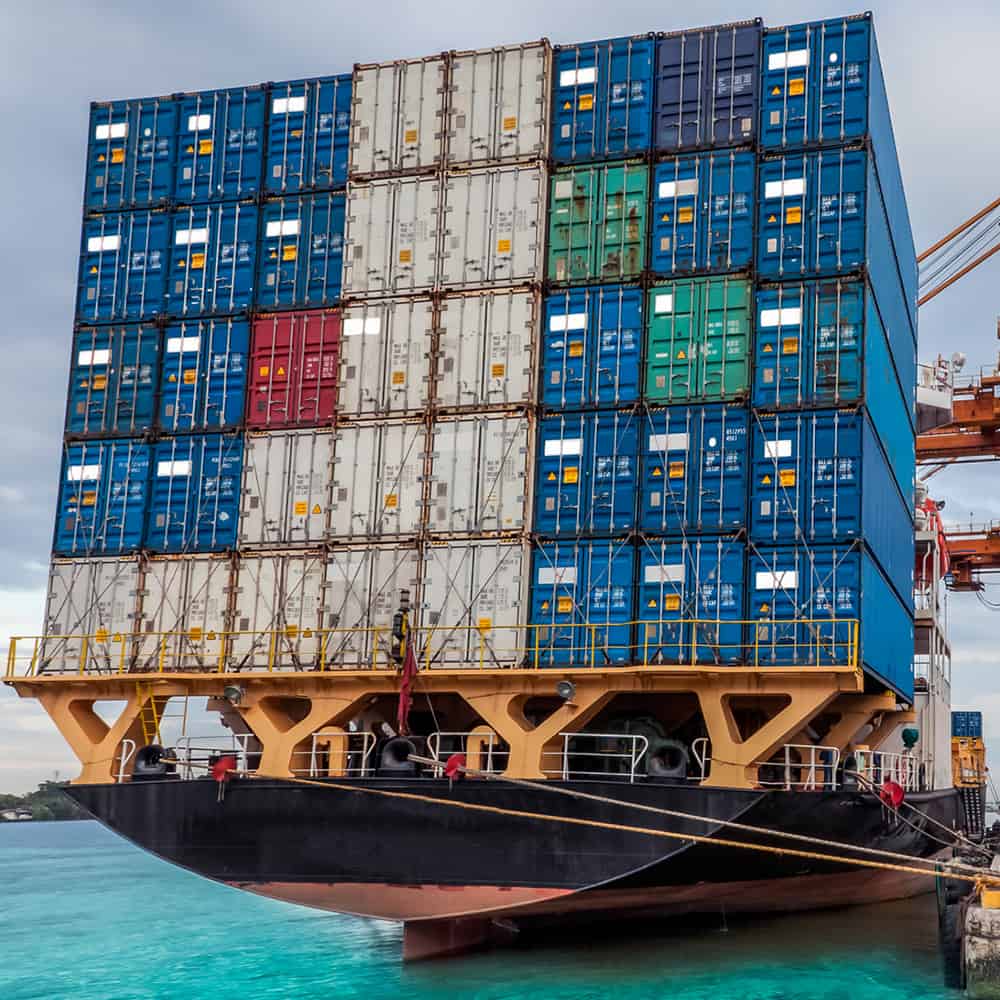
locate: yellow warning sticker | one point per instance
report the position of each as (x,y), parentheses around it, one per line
(576,349)
(89,499)
(171,378)
(117,155)
(657,472)
(671,603)
(793,215)
(571,474)
(790,345)
(551,477)
(291,631)
(405,256)
(485,624)
(545,605)
(100,159)
(100,382)
(503,246)
(682,355)
(585,103)
(399,378)
(289,253)
(510,122)
(676,470)
(391,501)
(775,91)
(190,376)
(766,481)
(768,349)
(296,133)
(765,608)
(101,635)
(197,261)
(651,603)
(772,218)
(564,605)
(317,509)
(685,215)
(786,477)
(498,371)
(204,147)
(410,136)
(264,370)
(301,508)
(796,87)
(189,149)
(194,633)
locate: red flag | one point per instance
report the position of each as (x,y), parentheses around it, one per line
(224,768)
(454,764)
(406,688)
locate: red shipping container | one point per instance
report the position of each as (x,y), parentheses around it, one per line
(294,369)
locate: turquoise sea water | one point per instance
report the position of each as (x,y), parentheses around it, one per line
(83,915)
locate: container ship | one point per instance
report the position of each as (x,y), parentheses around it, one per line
(469,457)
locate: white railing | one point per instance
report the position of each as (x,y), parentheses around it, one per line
(126,751)
(801,766)
(193,753)
(628,759)
(459,743)
(902,768)
(357,763)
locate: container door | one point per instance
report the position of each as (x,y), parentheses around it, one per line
(673,359)
(676,201)
(367,238)
(732,83)
(183,385)
(844,50)
(784,323)
(680,119)
(354,484)
(557,635)
(619,346)
(561,488)
(218,488)
(348,606)
(839,331)
(627,95)
(613,450)
(730,189)
(467,254)
(621,226)
(780,489)
(786,187)
(399,502)
(421,124)
(225,377)
(415,234)
(835,595)
(323,250)
(669,449)
(836,462)
(725,351)
(572,235)
(778,587)
(373,120)
(610,593)
(842,204)
(788,86)
(568,347)
(663,630)
(722,469)
(472,107)
(455,449)
(575,102)
(503,473)
(717,600)
(283,242)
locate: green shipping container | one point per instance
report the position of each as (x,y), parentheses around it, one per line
(597,222)
(698,340)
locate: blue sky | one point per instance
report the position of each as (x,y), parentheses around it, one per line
(940,67)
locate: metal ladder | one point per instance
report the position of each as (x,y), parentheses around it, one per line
(149,714)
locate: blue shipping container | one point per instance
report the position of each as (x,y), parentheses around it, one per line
(308,135)
(694,469)
(102,498)
(602,99)
(112,381)
(123,263)
(130,154)
(702,215)
(690,600)
(822,477)
(220,144)
(707,82)
(967,725)
(195,492)
(204,381)
(810,604)
(592,346)
(301,252)
(822,213)
(582,598)
(587,471)
(212,259)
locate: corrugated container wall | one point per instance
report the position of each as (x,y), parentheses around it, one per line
(967,725)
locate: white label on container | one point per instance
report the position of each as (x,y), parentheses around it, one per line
(564,189)
(198,122)
(562,324)
(178,345)
(174,468)
(185,237)
(795,59)
(97,244)
(668,442)
(663,303)
(116,130)
(678,189)
(576,77)
(566,446)
(284,105)
(778,449)
(557,574)
(284,227)
(368,326)
(78,473)
(784,579)
(781,317)
(795,187)
(671,573)
(94,357)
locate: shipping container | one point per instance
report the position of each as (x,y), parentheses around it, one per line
(102,497)
(822,477)
(598,222)
(391,236)
(586,479)
(493,227)
(821,606)
(582,604)
(130,154)
(707,82)
(294,368)
(473,601)
(698,340)
(485,349)
(378,480)
(195,493)
(602,99)
(286,488)
(385,356)
(204,378)
(694,469)
(967,725)
(308,135)
(123,266)
(220,144)
(702,213)
(301,252)
(113,378)
(592,346)
(480,474)
(398,118)
(822,214)
(498,107)
(690,602)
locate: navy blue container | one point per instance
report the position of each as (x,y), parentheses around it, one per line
(602,99)
(813,604)
(308,135)
(703,216)
(690,600)
(194,493)
(123,264)
(220,144)
(582,603)
(592,346)
(822,214)
(707,82)
(822,477)
(112,381)
(301,252)
(102,497)
(694,469)
(212,259)
(130,154)
(204,380)
(967,725)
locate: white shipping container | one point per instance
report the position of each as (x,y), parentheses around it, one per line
(286,487)
(378,478)
(499,104)
(398,116)
(91,607)
(493,227)
(391,234)
(479,474)
(472,602)
(486,349)
(385,352)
